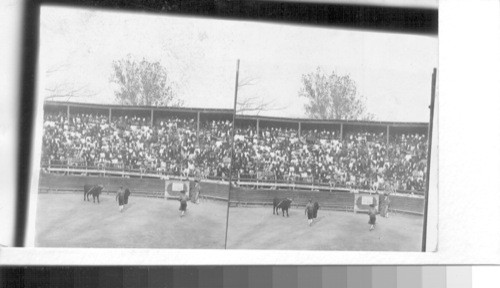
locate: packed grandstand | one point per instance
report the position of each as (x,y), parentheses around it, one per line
(348,154)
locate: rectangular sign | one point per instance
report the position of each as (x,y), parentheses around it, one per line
(366,200)
(362,202)
(177,187)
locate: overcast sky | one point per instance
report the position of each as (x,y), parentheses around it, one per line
(393,71)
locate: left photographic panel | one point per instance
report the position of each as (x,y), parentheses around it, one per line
(132,146)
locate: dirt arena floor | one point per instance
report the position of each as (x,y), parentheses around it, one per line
(258,228)
(65,220)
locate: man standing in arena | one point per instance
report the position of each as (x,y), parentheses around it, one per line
(196,192)
(120,197)
(372,212)
(183,199)
(385,208)
(310,212)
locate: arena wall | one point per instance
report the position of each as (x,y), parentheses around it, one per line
(149,187)
(220,190)
(407,204)
(328,200)
(54,182)
(333,200)
(239,196)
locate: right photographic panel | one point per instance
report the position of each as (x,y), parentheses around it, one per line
(331,139)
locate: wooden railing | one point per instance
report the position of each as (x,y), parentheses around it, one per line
(138,173)
(244,183)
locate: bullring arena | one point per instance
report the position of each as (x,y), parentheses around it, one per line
(252,224)
(148,221)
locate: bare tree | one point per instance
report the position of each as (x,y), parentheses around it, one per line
(68,91)
(61,89)
(253,104)
(58,86)
(333,96)
(143,83)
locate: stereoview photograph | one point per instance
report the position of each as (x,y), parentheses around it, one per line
(162,131)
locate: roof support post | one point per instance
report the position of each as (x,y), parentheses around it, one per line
(388,133)
(198,127)
(152,117)
(258,128)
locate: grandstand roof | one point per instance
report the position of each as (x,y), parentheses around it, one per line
(130,107)
(319,121)
(239,117)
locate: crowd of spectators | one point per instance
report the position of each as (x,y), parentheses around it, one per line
(169,146)
(174,146)
(361,160)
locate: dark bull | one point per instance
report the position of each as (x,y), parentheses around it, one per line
(93,190)
(282,204)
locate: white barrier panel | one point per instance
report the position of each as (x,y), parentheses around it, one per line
(174,187)
(362,202)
